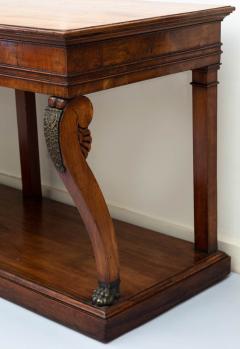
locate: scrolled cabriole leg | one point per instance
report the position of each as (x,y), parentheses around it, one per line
(69,141)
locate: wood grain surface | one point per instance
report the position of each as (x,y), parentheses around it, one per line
(78,47)
(74,144)
(79,14)
(205,157)
(47,265)
(72,48)
(28,144)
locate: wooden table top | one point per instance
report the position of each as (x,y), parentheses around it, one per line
(62,15)
(71,47)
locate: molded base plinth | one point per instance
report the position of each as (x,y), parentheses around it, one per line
(47,266)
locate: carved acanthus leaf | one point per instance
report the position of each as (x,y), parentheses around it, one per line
(52,118)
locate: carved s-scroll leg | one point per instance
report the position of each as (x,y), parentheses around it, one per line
(69,141)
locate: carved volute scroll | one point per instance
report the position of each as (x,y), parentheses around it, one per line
(69,141)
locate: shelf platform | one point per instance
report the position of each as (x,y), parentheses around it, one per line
(47,266)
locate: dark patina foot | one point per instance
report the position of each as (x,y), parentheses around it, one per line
(106,294)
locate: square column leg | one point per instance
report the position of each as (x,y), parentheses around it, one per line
(205,157)
(28,144)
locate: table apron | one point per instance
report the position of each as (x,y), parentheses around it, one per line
(70,70)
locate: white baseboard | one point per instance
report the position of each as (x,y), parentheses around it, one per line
(139,218)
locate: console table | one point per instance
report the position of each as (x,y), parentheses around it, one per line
(77,266)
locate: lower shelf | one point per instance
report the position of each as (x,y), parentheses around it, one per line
(47,266)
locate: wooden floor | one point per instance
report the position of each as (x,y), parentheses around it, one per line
(44,249)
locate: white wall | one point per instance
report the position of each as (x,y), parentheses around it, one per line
(142,148)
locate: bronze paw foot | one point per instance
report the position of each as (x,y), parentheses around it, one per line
(106,294)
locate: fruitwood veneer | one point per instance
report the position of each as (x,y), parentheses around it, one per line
(47,263)
(63,53)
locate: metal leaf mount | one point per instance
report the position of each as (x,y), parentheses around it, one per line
(52,118)
(51,122)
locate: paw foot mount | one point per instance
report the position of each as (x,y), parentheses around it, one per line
(106,294)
